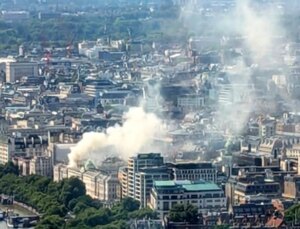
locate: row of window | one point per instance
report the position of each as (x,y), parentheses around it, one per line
(193,196)
(207,201)
(166,205)
(192,171)
(196,177)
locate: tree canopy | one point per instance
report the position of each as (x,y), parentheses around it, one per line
(65,204)
(60,32)
(292,214)
(184,213)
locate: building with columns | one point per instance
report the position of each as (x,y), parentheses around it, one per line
(99,184)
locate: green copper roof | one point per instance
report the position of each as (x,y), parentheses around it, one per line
(89,165)
(201,187)
(188,185)
(164,183)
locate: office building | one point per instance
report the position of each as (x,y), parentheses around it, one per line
(191,102)
(16,70)
(205,196)
(41,165)
(244,190)
(137,178)
(193,171)
(267,128)
(144,182)
(29,146)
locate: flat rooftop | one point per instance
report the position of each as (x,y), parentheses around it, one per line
(191,186)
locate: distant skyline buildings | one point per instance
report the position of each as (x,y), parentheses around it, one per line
(195,103)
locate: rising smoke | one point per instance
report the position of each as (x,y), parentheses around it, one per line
(259,29)
(135,135)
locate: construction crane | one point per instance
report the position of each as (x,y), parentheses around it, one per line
(69,47)
(47,57)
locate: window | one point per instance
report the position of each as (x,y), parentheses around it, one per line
(166,205)
(173,204)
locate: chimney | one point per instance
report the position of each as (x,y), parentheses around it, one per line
(275,154)
(249,148)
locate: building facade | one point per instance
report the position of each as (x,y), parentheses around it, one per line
(190,102)
(137,178)
(17,146)
(194,171)
(293,152)
(244,190)
(291,187)
(16,70)
(41,165)
(144,182)
(98,184)
(205,196)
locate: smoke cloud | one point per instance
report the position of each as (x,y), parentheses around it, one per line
(135,135)
(235,113)
(258,29)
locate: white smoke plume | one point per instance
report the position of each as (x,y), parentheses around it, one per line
(135,135)
(260,28)
(235,114)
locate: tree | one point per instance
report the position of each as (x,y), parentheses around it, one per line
(51,222)
(72,189)
(177,214)
(76,223)
(184,213)
(292,214)
(42,183)
(115,225)
(145,213)
(84,200)
(79,207)
(191,213)
(100,217)
(10,168)
(129,204)
(53,200)
(56,210)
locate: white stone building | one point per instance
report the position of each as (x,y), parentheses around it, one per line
(205,196)
(98,184)
(41,165)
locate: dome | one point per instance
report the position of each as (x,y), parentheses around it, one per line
(89,165)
